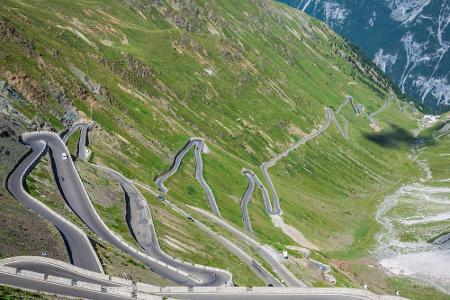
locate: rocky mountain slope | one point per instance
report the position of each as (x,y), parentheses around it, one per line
(408,40)
(249,77)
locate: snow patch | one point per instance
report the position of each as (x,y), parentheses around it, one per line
(414,56)
(438,87)
(406,11)
(335,14)
(384,61)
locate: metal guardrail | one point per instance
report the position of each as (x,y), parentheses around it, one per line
(132,291)
(129,248)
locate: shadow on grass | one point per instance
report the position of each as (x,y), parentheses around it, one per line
(392,138)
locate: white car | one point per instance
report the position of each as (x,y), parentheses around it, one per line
(64,155)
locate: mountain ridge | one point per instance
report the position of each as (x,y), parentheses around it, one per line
(409,40)
(251,78)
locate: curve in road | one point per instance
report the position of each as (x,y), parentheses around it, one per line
(83,142)
(84,209)
(272,257)
(74,193)
(141,223)
(57,268)
(343,130)
(264,168)
(392,97)
(198,144)
(252,262)
(79,248)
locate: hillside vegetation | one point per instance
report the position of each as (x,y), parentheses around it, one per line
(250,77)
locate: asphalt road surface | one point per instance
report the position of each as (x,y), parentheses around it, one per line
(82,151)
(143,230)
(76,292)
(56,270)
(53,288)
(80,250)
(75,195)
(141,223)
(264,167)
(198,145)
(243,256)
(255,296)
(272,257)
(253,181)
(392,97)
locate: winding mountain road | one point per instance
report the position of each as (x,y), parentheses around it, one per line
(272,257)
(146,235)
(74,193)
(198,144)
(392,97)
(264,168)
(253,179)
(79,248)
(250,261)
(142,227)
(140,221)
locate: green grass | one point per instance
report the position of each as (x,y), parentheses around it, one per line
(213,253)
(414,290)
(72,142)
(276,70)
(10,293)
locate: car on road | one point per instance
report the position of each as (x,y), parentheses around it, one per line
(64,156)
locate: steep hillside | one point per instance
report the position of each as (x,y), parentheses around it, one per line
(250,77)
(409,40)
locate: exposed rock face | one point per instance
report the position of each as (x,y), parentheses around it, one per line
(9,97)
(414,53)
(9,34)
(28,87)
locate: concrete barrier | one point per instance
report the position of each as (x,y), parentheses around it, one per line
(31,274)
(8,270)
(200,266)
(174,289)
(232,290)
(263,289)
(59,280)
(120,291)
(143,296)
(147,288)
(204,289)
(55,263)
(89,286)
(121,281)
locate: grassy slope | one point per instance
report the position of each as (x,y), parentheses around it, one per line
(275,70)
(25,232)
(10,293)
